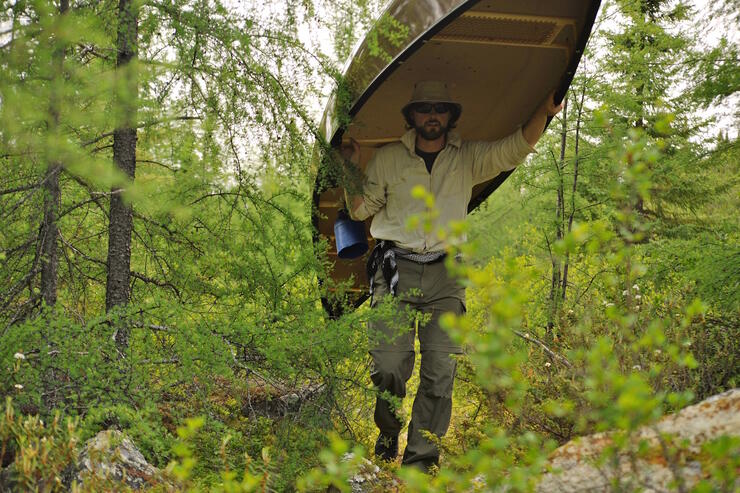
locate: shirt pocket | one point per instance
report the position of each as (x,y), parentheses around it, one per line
(399,192)
(452,183)
(397,189)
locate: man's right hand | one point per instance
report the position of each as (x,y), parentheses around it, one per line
(350,151)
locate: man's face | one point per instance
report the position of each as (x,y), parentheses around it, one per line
(431,120)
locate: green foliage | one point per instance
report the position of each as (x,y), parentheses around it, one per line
(338,465)
(41,452)
(721,76)
(387,34)
(721,457)
(226,316)
(260,474)
(143,426)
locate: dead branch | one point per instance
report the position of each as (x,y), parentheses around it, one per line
(553,355)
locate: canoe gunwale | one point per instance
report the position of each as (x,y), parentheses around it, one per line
(409,50)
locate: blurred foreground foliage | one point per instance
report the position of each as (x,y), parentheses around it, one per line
(226,312)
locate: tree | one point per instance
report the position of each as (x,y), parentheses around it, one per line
(52,197)
(214,106)
(124,155)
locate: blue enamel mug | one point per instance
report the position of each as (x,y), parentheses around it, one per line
(350,236)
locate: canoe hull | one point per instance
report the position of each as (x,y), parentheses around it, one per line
(500,59)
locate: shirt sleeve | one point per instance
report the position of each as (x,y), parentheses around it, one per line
(492,158)
(373,191)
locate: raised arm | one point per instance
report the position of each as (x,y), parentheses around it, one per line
(532,130)
(492,158)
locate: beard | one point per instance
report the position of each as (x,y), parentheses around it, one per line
(431,132)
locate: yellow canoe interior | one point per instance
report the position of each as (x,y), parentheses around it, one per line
(500,59)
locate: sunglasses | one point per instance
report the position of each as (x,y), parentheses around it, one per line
(438,108)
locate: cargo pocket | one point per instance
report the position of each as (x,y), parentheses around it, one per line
(380,288)
(437,374)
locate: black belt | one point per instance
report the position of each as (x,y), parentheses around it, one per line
(383,256)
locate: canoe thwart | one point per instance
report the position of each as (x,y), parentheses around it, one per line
(494,28)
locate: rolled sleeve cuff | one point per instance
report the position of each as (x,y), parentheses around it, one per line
(523,147)
(360,214)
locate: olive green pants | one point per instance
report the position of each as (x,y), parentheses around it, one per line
(426,290)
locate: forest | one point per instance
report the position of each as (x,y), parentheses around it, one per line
(158,274)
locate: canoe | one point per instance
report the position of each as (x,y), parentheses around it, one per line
(500,59)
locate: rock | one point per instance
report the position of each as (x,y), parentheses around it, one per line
(575,465)
(106,459)
(111,455)
(366,478)
(369,478)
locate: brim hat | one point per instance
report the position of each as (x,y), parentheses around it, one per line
(431,91)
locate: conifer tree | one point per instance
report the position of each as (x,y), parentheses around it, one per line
(52,196)
(124,155)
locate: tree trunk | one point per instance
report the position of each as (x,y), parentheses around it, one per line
(573,190)
(124,155)
(559,219)
(49,232)
(52,194)
(49,235)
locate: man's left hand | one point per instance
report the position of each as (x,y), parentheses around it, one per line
(548,106)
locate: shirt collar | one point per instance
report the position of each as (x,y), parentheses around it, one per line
(409,139)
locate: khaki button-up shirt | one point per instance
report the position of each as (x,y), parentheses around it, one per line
(395,169)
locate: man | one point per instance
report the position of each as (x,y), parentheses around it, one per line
(409,263)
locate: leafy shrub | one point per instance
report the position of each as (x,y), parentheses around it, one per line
(41,454)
